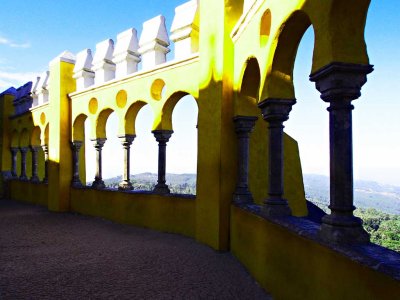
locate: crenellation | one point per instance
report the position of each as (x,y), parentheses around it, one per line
(254,164)
(42,88)
(154,43)
(35,91)
(103,66)
(126,56)
(83,69)
(185,29)
(22,99)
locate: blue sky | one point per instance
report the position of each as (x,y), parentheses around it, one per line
(34,32)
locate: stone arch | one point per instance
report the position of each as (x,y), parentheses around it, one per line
(250,86)
(24,138)
(339,33)
(78,128)
(248,94)
(101,122)
(15,139)
(130,117)
(165,121)
(45,140)
(279,79)
(35,136)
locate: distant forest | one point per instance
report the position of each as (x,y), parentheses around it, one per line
(378,205)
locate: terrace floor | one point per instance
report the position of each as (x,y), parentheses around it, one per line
(46,255)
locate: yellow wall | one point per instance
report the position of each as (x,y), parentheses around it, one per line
(243,59)
(293,267)
(28,192)
(164,213)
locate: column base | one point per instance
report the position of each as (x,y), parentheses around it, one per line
(242,197)
(76,184)
(125,186)
(35,179)
(276,208)
(98,184)
(343,230)
(23,178)
(161,189)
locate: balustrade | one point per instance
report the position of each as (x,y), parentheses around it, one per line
(98,182)
(275,112)
(339,84)
(23,151)
(162,137)
(243,127)
(76,147)
(34,151)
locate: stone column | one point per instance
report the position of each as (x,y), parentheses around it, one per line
(339,84)
(76,147)
(14,152)
(35,177)
(23,176)
(126,141)
(98,182)
(275,112)
(243,127)
(46,163)
(162,137)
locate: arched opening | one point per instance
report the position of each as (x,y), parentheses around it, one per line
(112,153)
(144,149)
(24,141)
(279,81)
(309,125)
(265,27)
(182,147)
(36,147)
(89,152)
(248,95)
(79,135)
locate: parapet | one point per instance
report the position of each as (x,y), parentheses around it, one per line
(23,100)
(130,54)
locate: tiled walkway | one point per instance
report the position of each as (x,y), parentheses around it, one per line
(47,255)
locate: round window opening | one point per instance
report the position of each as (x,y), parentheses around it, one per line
(158,89)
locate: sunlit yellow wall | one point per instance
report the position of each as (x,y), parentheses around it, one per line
(276,50)
(60,165)
(242,60)
(292,267)
(170,214)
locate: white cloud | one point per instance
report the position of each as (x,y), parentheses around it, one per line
(8,79)
(7,42)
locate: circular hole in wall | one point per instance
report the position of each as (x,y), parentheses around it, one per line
(93,105)
(265,27)
(158,89)
(121,99)
(42,118)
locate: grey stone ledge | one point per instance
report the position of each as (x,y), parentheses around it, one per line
(371,255)
(137,192)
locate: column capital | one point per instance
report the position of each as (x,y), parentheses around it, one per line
(244,124)
(276,110)
(35,148)
(162,136)
(127,139)
(14,150)
(99,142)
(76,145)
(24,149)
(341,81)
